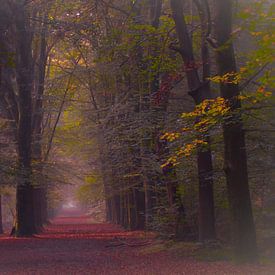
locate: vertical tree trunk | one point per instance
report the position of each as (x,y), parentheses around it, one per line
(117,208)
(199,92)
(140,208)
(25,219)
(149,177)
(137,198)
(106,180)
(1,218)
(235,166)
(40,191)
(1,222)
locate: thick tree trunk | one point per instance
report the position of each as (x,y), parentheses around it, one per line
(244,235)
(199,92)
(25,219)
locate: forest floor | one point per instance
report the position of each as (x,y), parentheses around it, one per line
(76,245)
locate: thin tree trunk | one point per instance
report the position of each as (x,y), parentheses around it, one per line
(141,197)
(1,218)
(149,177)
(40,189)
(235,158)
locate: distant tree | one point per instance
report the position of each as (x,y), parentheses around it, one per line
(1,218)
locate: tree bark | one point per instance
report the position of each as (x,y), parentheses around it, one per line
(25,219)
(235,158)
(199,91)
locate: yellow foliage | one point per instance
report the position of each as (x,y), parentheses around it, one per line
(209,107)
(206,115)
(228,78)
(184,151)
(170,136)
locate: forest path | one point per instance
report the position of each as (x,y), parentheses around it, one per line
(74,245)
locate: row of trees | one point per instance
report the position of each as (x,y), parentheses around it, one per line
(142,190)
(123,73)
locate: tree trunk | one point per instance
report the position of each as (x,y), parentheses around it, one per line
(199,92)
(143,187)
(147,147)
(235,158)
(206,197)
(140,208)
(1,218)
(40,190)
(25,219)
(117,208)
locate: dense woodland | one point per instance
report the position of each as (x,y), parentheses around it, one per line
(160,112)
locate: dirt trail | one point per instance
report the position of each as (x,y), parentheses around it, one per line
(72,245)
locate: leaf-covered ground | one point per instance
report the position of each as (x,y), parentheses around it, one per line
(73,245)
